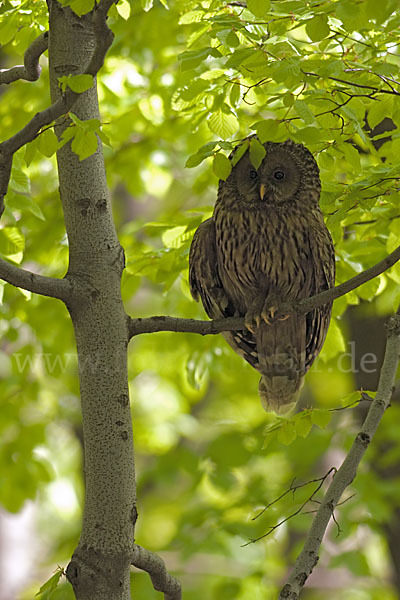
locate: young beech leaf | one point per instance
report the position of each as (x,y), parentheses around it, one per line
(221,166)
(223,124)
(48,142)
(240,152)
(321,417)
(259,8)
(50,585)
(257,153)
(317,28)
(287,433)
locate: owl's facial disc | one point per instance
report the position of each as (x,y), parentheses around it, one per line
(279,177)
(275,182)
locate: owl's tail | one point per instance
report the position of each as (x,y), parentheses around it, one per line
(281,356)
(279,393)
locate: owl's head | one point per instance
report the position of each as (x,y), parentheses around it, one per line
(288,174)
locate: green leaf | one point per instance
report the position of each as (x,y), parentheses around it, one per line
(124,9)
(367,291)
(257,153)
(197,368)
(303,424)
(321,417)
(84,143)
(356,562)
(146,5)
(193,16)
(259,8)
(334,343)
(203,153)
(352,156)
(221,166)
(81,7)
(287,433)
(193,58)
(380,109)
(240,151)
(77,83)
(48,142)
(30,151)
(50,585)
(11,241)
(317,28)
(270,130)
(24,203)
(223,124)
(172,237)
(19,181)
(302,109)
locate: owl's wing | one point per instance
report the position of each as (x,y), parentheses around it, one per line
(204,277)
(205,282)
(317,321)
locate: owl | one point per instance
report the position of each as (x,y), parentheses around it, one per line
(266,244)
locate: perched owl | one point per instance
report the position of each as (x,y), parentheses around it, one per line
(265,244)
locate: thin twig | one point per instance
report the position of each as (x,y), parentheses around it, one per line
(293,489)
(176,324)
(155,566)
(30,70)
(308,557)
(272,528)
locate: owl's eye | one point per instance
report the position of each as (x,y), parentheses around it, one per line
(278,174)
(253,174)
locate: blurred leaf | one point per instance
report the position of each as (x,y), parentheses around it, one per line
(317,28)
(321,417)
(259,8)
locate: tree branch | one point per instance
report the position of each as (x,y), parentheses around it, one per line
(30,70)
(308,557)
(104,38)
(164,323)
(307,304)
(154,565)
(39,284)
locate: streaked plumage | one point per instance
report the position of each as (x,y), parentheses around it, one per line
(267,243)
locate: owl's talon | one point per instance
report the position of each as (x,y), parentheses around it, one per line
(283,318)
(268,314)
(252,323)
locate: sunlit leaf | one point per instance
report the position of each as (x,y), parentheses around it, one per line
(221,166)
(259,8)
(223,124)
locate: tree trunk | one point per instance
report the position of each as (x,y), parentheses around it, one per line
(99,569)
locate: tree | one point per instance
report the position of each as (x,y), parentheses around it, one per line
(323,74)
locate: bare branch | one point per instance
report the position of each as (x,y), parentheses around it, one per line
(39,284)
(374,89)
(30,70)
(155,566)
(308,557)
(311,498)
(164,323)
(307,304)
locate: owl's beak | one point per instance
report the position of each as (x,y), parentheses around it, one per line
(262,190)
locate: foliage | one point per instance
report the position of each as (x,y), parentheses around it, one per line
(185,85)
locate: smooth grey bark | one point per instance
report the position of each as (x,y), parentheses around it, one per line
(99,569)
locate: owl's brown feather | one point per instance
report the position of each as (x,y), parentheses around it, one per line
(261,250)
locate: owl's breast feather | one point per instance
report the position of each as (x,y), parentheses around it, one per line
(260,251)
